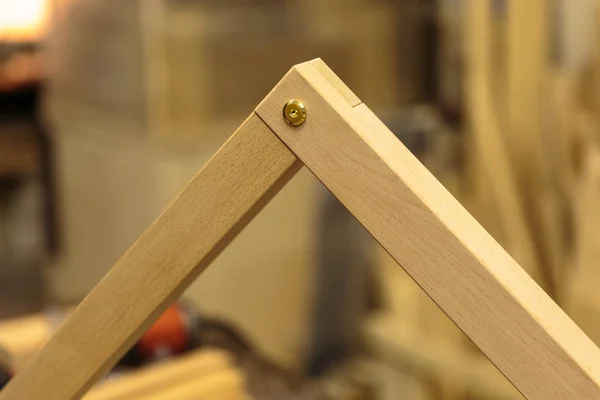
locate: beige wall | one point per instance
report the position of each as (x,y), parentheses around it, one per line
(140,111)
(112,187)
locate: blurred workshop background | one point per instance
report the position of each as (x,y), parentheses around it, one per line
(108,108)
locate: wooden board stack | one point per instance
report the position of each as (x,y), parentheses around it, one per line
(202,373)
(23,337)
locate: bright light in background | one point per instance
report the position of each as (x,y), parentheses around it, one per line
(23,19)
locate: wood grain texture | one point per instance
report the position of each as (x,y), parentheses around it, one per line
(462,268)
(162,376)
(233,186)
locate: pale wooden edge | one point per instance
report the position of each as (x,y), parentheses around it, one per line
(336,82)
(523,332)
(162,376)
(226,194)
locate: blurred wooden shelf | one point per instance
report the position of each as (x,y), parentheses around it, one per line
(19,153)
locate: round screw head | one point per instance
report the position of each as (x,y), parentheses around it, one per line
(294,112)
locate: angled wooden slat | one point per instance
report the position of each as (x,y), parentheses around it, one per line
(487,294)
(465,271)
(233,186)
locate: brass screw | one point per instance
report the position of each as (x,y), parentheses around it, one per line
(294,112)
